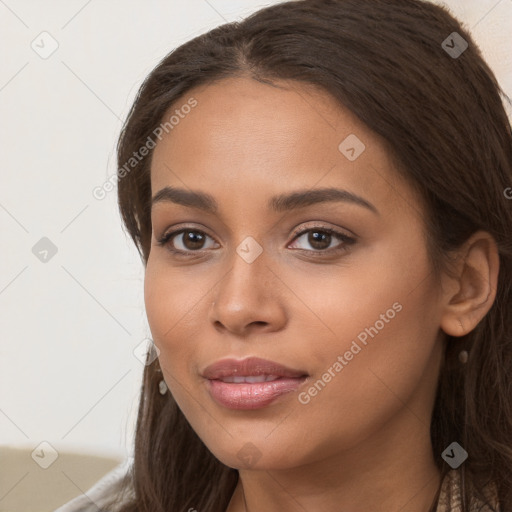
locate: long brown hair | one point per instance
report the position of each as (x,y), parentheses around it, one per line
(442,116)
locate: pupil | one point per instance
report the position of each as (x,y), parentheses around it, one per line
(193,240)
(314,240)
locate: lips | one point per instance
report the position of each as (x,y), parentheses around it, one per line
(250,383)
(252,366)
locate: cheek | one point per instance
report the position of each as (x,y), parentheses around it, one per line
(177,302)
(381,318)
(381,291)
(172,302)
(383,355)
(173,296)
(167,305)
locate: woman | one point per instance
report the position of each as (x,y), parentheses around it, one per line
(341,338)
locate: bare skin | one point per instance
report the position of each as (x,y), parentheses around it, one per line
(362,442)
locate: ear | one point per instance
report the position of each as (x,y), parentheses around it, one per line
(471,293)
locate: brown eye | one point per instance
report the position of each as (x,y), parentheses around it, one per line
(193,240)
(185,240)
(320,240)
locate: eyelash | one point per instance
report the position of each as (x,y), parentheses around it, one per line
(346,240)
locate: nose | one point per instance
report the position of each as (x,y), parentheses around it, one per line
(248,299)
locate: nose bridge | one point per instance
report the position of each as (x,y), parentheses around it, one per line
(245,280)
(245,296)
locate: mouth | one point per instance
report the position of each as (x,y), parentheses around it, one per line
(251,379)
(251,383)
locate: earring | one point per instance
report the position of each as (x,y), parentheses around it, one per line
(463,356)
(162,387)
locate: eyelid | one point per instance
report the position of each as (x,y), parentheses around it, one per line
(323,227)
(183,227)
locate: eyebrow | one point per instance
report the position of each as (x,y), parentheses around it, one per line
(279,203)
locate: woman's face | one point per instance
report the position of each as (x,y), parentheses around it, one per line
(354,311)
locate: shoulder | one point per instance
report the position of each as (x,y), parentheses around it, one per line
(102,492)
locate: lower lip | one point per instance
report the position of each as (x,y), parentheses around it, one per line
(251,395)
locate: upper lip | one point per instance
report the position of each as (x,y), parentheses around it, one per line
(252,366)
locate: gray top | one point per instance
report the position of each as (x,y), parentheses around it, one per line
(101,492)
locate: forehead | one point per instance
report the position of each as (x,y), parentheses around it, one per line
(258,139)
